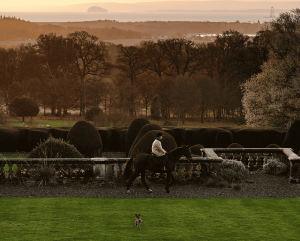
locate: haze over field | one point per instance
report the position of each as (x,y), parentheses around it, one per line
(138,5)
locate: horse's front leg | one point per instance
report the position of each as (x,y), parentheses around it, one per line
(172,179)
(168,180)
(144,181)
(132,178)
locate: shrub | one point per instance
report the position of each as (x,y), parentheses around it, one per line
(43,176)
(196,149)
(223,139)
(142,132)
(232,171)
(275,167)
(235,145)
(35,136)
(273,146)
(133,131)
(145,143)
(23,106)
(292,137)
(85,137)
(208,136)
(93,114)
(55,148)
(154,108)
(9,139)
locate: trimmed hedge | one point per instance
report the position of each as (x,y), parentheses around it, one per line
(207,136)
(169,131)
(55,148)
(292,138)
(235,145)
(23,144)
(196,149)
(144,145)
(143,131)
(258,138)
(190,136)
(85,137)
(223,139)
(9,139)
(133,131)
(106,137)
(179,134)
(36,136)
(60,133)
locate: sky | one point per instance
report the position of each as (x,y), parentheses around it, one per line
(15,3)
(140,5)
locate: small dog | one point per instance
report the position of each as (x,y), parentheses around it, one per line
(138,221)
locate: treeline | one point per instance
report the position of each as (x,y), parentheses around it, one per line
(12,29)
(171,28)
(188,80)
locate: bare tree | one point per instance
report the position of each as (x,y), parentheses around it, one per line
(89,56)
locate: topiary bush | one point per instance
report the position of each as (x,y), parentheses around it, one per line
(23,106)
(196,149)
(85,137)
(235,145)
(133,131)
(292,137)
(154,108)
(93,114)
(9,139)
(232,171)
(145,143)
(273,146)
(143,131)
(55,148)
(275,167)
(223,139)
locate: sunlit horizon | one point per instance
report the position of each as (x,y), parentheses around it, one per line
(142,5)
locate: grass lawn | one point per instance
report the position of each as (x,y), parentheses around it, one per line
(45,123)
(13,156)
(164,219)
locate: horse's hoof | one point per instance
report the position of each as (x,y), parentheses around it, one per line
(128,191)
(149,190)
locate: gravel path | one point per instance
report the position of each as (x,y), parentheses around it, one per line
(258,185)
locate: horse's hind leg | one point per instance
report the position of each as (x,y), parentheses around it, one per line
(132,178)
(144,181)
(168,180)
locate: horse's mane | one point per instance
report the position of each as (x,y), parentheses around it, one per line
(178,147)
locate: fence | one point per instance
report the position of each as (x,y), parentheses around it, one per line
(108,166)
(257,157)
(251,157)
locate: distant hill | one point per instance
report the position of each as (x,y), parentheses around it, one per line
(96,9)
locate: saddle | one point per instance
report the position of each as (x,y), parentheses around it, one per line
(158,162)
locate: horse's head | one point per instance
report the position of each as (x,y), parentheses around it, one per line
(186,152)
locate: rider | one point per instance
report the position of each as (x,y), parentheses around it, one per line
(158,151)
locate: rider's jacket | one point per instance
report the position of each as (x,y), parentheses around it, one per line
(157,148)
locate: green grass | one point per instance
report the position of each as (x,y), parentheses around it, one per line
(13,156)
(164,219)
(44,123)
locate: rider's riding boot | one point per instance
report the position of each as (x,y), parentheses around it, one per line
(163,166)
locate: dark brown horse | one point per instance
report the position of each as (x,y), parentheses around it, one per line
(142,162)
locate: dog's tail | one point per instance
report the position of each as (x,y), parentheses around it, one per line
(128,169)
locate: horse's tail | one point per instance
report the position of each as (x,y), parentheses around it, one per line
(128,169)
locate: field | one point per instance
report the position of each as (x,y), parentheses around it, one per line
(164,219)
(70,120)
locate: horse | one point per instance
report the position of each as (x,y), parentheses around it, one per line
(142,162)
